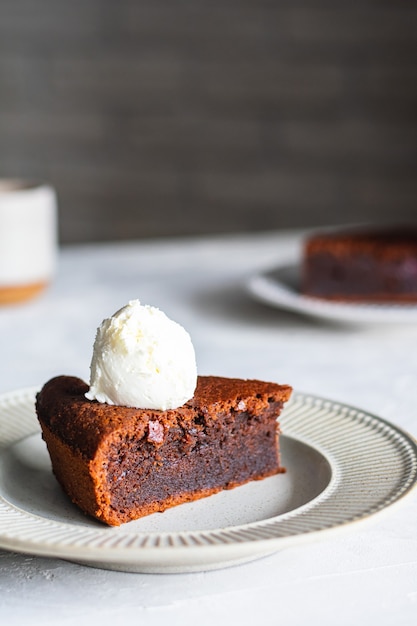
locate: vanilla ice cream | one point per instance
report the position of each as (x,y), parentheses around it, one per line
(142,359)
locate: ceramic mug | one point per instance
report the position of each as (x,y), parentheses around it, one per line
(28,239)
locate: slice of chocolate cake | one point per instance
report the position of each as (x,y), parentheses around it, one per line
(118,463)
(362,265)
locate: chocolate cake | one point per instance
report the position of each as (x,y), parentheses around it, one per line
(118,464)
(362,265)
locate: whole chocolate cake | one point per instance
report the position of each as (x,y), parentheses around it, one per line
(362,265)
(119,463)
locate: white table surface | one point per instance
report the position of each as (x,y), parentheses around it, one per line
(365,574)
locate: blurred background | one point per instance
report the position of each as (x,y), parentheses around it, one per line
(154,118)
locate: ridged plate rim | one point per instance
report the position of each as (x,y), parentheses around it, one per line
(374,464)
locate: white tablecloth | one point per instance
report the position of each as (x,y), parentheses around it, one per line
(367,574)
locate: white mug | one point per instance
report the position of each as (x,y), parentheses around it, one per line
(28,239)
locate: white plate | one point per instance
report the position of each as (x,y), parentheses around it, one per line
(280,287)
(342,465)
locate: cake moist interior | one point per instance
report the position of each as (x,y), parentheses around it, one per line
(192,458)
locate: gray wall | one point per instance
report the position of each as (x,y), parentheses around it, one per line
(167,117)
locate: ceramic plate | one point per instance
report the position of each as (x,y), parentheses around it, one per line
(342,464)
(280,287)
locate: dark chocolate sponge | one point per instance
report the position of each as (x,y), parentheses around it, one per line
(362,265)
(118,464)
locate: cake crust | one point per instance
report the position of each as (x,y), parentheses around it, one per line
(119,463)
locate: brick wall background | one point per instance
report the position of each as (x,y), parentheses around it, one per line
(167,117)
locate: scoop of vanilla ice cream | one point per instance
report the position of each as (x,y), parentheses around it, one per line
(142,359)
